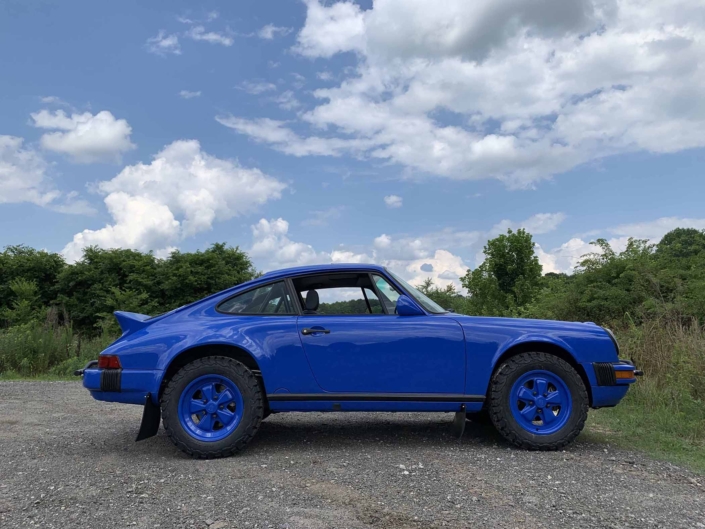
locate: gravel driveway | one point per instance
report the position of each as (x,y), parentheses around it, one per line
(68,461)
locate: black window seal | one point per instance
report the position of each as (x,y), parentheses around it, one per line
(280,280)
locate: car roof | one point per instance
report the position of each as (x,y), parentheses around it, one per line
(312,269)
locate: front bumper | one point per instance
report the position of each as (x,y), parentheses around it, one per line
(129,386)
(611,382)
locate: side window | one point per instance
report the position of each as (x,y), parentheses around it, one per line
(388,293)
(269,299)
(338,294)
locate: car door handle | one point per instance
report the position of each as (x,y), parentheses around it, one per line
(306,332)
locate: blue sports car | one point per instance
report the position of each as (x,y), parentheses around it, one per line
(346,337)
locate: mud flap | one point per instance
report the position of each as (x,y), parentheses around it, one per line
(151,416)
(459,422)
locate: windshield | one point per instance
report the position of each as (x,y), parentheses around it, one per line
(419,296)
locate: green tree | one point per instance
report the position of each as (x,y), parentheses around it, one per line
(448,298)
(87,288)
(509,277)
(38,266)
(26,305)
(187,277)
(681,243)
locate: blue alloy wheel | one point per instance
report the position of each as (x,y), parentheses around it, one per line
(210,408)
(540,402)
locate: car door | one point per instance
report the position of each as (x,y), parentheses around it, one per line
(373,351)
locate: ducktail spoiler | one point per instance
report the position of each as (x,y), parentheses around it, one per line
(131,321)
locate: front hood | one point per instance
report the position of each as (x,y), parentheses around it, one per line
(526,323)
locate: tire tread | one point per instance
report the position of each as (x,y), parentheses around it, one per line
(502,378)
(250,429)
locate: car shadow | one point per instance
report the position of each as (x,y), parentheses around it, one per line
(335,433)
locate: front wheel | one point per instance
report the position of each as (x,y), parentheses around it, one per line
(538,401)
(212,407)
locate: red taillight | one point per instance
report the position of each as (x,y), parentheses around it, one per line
(109,362)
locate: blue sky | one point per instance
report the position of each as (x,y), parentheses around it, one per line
(312,131)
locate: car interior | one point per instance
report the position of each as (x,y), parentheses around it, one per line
(317,292)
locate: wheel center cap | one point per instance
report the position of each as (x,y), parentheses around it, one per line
(540,402)
(211,407)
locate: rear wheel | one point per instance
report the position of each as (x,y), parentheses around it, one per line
(212,407)
(538,401)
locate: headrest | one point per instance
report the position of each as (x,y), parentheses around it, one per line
(312,300)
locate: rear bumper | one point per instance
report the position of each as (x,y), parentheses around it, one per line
(129,386)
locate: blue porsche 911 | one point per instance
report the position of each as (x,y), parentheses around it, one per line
(351,338)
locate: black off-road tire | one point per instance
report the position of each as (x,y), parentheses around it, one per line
(499,401)
(252,413)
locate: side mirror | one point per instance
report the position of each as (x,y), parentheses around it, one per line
(406,307)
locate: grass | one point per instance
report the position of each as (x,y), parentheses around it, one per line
(14,375)
(664,412)
(659,433)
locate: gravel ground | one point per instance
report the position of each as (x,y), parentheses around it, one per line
(68,461)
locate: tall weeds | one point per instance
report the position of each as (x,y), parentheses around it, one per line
(34,349)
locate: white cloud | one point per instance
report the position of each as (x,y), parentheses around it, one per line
(200,33)
(270,31)
(189,95)
(256,87)
(164,44)
(331,29)
(287,141)
(287,100)
(85,137)
(23,178)
(393,201)
(272,244)
(656,229)
(182,192)
(23,174)
(536,88)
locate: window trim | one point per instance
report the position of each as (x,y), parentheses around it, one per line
(360,272)
(287,287)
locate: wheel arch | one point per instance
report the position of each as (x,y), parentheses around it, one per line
(540,346)
(211,349)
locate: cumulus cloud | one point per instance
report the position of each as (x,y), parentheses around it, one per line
(182,192)
(85,137)
(23,174)
(272,244)
(24,178)
(164,44)
(393,201)
(535,88)
(331,29)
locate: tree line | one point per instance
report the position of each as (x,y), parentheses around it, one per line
(641,283)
